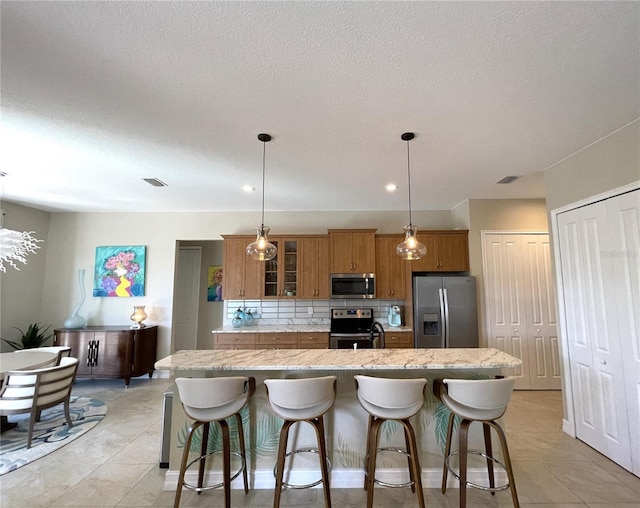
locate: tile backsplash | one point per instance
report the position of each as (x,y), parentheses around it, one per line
(295,311)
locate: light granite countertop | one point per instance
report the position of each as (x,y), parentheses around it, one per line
(293,328)
(338,359)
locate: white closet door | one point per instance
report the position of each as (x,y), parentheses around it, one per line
(504,301)
(540,309)
(624,221)
(594,349)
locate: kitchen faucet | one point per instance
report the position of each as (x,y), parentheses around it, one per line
(377,327)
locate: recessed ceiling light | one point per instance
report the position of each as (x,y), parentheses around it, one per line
(391,187)
(248,188)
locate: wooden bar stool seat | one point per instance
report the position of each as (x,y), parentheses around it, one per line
(214,400)
(301,400)
(391,399)
(476,400)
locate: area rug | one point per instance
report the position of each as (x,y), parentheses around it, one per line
(49,434)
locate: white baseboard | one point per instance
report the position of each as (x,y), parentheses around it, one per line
(340,478)
(568,428)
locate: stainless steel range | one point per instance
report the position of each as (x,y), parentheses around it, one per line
(355,329)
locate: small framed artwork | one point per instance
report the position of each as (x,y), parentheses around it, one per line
(119,271)
(214,284)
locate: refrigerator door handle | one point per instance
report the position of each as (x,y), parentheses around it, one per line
(445,300)
(443,326)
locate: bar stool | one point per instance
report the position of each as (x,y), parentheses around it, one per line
(391,399)
(206,401)
(476,400)
(301,400)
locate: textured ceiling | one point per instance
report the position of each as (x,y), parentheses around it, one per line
(96,96)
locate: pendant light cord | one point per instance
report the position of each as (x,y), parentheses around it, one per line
(409,180)
(264,151)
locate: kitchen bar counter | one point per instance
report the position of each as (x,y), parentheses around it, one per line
(337,359)
(346,422)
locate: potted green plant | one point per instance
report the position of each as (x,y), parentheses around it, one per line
(32,338)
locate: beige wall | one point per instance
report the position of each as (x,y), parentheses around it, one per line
(515,215)
(20,290)
(612,162)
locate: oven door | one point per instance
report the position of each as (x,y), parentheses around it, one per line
(354,341)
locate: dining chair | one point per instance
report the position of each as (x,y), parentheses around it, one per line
(31,391)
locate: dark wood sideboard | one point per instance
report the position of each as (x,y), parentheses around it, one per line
(111,351)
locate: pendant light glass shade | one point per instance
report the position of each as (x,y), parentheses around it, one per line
(262,249)
(411,248)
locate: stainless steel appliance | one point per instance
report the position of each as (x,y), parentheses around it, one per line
(353,285)
(445,312)
(355,329)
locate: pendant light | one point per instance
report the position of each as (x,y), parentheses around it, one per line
(261,249)
(411,248)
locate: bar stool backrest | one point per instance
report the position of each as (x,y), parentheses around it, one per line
(391,398)
(301,399)
(490,397)
(209,399)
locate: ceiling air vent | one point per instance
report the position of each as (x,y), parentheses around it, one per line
(508,179)
(155,182)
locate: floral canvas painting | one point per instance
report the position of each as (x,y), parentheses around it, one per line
(119,271)
(214,284)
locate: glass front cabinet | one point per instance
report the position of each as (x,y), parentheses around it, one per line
(281,272)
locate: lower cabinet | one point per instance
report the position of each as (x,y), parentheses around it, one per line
(111,351)
(398,340)
(271,340)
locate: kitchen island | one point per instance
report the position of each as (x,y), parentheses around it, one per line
(346,423)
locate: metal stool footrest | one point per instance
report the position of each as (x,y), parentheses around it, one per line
(475,485)
(286,485)
(243,465)
(386,484)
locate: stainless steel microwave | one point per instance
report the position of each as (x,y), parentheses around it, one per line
(353,285)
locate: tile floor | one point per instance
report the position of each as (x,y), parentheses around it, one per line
(116,464)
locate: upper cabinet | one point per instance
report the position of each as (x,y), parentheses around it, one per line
(391,269)
(447,251)
(242,275)
(314,267)
(352,250)
(281,272)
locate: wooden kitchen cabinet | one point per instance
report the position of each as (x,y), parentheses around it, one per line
(281,273)
(391,269)
(276,340)
(313,340)
(111,351)
(352,250)
(314,267)
(398,339)
(234,341)
(242,274)
(447,251)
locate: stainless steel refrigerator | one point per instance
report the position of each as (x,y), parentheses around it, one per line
(444,312)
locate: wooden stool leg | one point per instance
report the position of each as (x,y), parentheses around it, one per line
(447,451)
(409,457)
(226,462)
(373,443)
(203,453)
(367,466)
(507,463)
(242,452)
(486,429)
(183,465)
(282,451)
(414,466)
(318,424)
(463,432)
